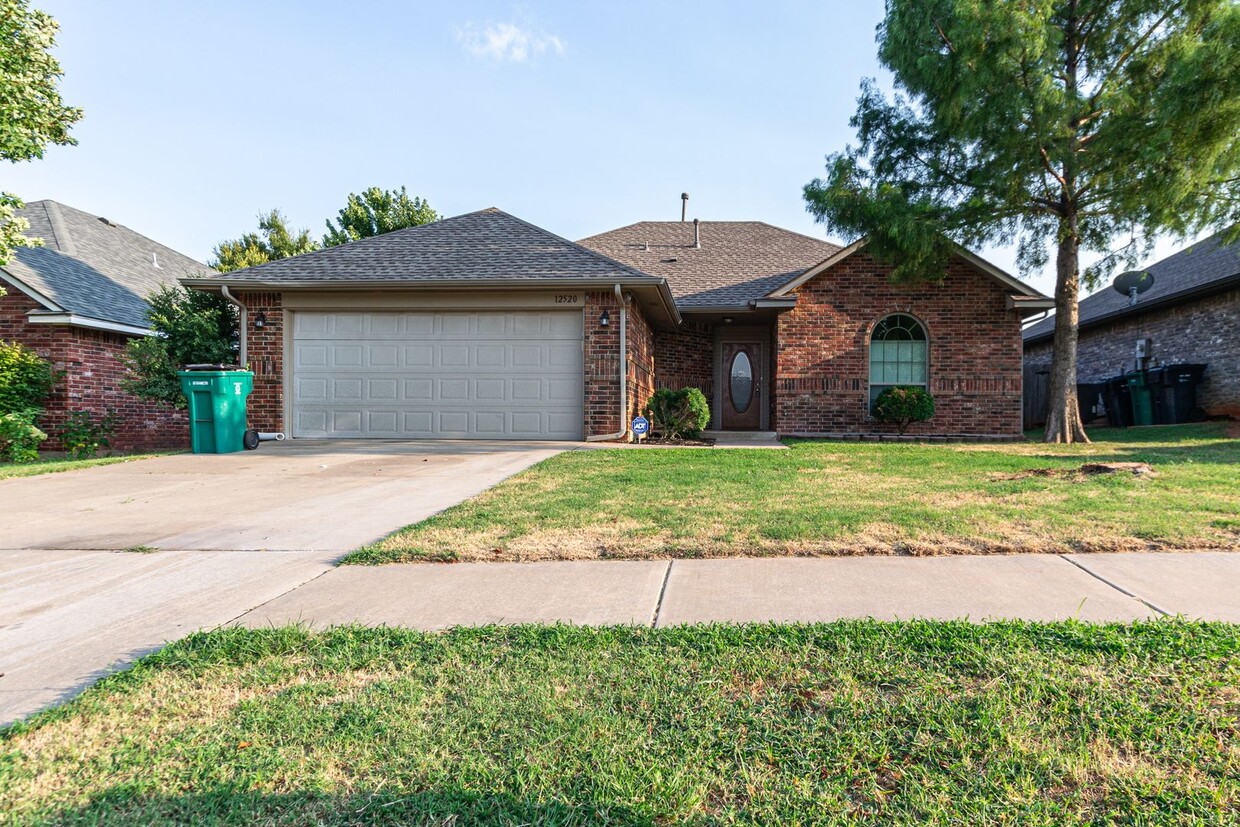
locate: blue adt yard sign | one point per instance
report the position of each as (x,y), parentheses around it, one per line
(641,427)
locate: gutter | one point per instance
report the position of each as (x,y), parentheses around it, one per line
(624,375)
(242,349)
(74,320)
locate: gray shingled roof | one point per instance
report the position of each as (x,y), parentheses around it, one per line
(738,261)
(89,267)
(1202,266)
(480,246)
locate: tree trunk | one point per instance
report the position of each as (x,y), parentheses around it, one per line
(1063,420)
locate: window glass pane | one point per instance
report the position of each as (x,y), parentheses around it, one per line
(741,381)
(919,374)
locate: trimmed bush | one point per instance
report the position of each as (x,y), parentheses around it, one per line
(19,437)
(678,414)
(26,379)
(903,405)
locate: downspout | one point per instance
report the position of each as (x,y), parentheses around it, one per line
(624,375)
(242,350)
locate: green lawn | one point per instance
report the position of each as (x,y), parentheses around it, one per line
(824,498)
(848,723)
(52,466)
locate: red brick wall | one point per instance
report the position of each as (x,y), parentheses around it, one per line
(265,409)
(602,364)
(92,369)
(683,358)
(1201,332)
(822,384)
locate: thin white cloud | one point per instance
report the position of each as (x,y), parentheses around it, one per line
(507,42)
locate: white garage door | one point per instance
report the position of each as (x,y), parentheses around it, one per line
(451,375)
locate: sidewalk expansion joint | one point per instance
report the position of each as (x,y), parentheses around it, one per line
(276,597)
(1115,586)
(658,606)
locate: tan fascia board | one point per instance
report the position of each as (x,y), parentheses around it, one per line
(977,261)
(660,285)
(1029,304)
(28,291)
(74,320)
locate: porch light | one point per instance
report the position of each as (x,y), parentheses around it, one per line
(260,320)
(604,319)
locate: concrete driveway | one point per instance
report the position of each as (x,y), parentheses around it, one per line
(231,532)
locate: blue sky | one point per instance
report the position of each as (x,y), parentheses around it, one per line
(579,117)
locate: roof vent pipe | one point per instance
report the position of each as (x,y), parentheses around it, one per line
(697,238)
(684,205)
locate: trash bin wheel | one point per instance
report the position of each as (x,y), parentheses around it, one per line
(250,439)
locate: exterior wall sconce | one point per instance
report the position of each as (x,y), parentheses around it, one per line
(604,319)
(260,320)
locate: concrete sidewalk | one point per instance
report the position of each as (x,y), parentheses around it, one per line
(1120,587)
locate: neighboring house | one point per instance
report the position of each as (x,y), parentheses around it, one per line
(1191,314)
(485,326)
(76,301)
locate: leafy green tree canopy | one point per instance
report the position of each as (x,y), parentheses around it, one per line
(1068,123)
(191,327)
(375,212)
(274,240)
(32,115)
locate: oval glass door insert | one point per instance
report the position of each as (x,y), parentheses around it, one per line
(741,384)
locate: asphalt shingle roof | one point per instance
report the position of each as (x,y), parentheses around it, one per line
(92,268)
(478,246)
(1194,268)
(738,261)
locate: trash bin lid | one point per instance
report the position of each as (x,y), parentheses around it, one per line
(213,367)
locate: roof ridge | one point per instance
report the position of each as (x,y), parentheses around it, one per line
(64,240)
(581,247)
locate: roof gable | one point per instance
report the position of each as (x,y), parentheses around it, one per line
(92,268)
(1018,287)
(1203,266)
(488,245)
(737,262)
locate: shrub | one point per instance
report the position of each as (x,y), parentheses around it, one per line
(903,405)
(191,326)
(26,380)
(678,414)
(82,436)
(19,437)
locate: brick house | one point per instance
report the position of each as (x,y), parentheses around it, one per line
(1191,314)
(76,301)
(486,326)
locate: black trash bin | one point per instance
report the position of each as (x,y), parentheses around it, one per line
(1119,402)
(1180,392)
(1091,399)
(1156,381)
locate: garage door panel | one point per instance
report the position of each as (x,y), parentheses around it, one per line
(485,374)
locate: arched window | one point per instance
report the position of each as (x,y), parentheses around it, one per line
(899,354)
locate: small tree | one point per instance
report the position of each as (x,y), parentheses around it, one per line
(375,212)
(32,114)
(190,327)
(903,405)
(1062,122)
(274,240)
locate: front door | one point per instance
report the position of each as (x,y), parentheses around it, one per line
(742,386)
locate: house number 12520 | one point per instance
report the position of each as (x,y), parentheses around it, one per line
(566,299)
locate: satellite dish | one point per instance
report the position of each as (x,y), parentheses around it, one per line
(1139,280)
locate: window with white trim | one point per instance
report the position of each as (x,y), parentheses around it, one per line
(899,354)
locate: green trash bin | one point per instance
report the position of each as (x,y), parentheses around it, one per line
(216,408)
(1142,399)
